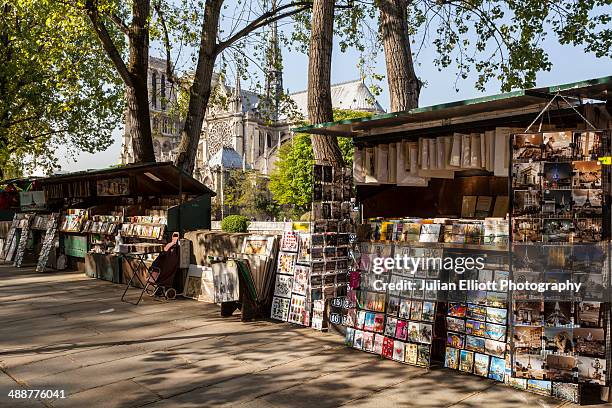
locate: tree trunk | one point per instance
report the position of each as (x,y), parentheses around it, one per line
(138,119)
(404,86)
(200,90)
(325,148)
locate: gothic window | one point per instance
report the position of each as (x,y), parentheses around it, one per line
(155,124)
(268,140)
(163,92)
(261,143)
(219,135)
(154,89)
(166,146)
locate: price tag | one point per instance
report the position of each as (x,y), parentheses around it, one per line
(605,160)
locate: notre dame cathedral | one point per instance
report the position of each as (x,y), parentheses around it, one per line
(243,131)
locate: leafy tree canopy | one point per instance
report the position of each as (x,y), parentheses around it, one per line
(291,180)
(56,87)
(497,39)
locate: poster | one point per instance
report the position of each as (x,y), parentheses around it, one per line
(113,187)
(32,200)
(225,280)
(199,284)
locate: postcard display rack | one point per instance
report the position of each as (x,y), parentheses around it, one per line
(561,232)
(313,267)
(410,325)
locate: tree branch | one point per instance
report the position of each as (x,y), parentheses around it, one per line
(107,42)
(263,20)
(119,23)
(170,74)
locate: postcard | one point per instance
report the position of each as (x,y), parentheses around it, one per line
(425,333)
(527,338)
(414,332)
(398,350)
(379,323)
(557,230)
(587,202)
(286,263)
(587,145)
(401,329)
(589,314)
(497,369)
(519,383)
(495,332)
(393,305)
(429,311)
(587,174)
(280,308)
(539,387)
(451,359)
(368,341)
(404,309)
(475,344)
(526,230)
(455,340)
(558,145)
(416,309)
(560,367)
(466,361)
(526,175)
(592,370)
(558,313)
(387,349)
(566,391)
(529,366)
(390,326)
(283,285)
(481,365)
(475,328)
(423,355)
(476,312)
(587,230)
(358,340)
(559,339)
(457,309)
(411,353)
(590,342)
(557,175)
(557,203)
(455,324)
(378,343)
(527,147)
(497,316)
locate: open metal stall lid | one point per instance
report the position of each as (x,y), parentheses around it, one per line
(151,178)
(521,102)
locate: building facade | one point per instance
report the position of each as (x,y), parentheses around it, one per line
(238,123)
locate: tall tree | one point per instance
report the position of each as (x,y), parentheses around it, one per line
(134,73)
(210,47)
(319,80)
(56,88)
(404,86)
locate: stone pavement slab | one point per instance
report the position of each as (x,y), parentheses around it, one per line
(183,354)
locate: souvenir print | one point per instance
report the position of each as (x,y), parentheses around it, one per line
(466,361)
(527,147)
(451,359)
(558,145)
(475,344)
(497,369)
(481,365)
(557,175)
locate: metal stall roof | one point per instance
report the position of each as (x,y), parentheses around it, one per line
(526,101)
(151,178)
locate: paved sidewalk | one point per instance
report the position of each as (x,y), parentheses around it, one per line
(64,331)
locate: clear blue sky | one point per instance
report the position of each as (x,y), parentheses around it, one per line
(569,65)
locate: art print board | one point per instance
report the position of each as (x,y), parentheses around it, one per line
(280,309)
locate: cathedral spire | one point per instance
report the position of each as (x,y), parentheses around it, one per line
(273,71)
(237,93)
